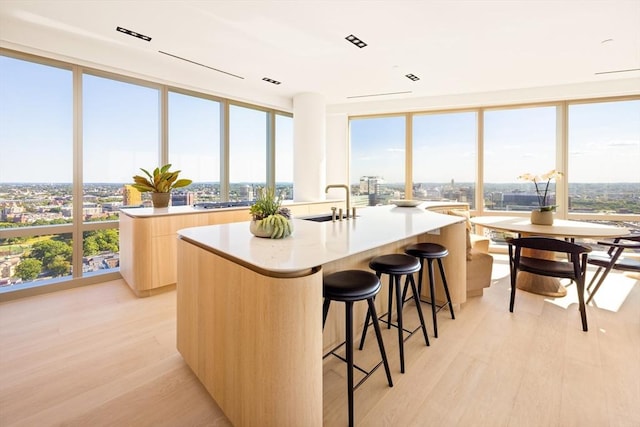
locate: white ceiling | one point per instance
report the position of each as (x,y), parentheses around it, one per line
(454,47)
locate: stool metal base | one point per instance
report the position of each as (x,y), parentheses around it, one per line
(394,283)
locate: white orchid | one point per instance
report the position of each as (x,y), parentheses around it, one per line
(542,197)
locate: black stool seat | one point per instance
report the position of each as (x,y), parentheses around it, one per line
(397,265)
(430,252)
(351,286)
(427,250)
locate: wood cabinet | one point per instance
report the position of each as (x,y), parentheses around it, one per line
(148,240)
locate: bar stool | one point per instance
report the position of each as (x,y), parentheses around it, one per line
(350,286)
(430,252)
(396,266)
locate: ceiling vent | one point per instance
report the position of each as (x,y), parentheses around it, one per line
(133,34)
(202,65)
(356,41)
(618,71)
(378,94)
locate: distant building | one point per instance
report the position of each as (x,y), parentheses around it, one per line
(183,198)
(131,196)
(370,185)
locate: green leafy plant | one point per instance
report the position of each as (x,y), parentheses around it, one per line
(269,215)
(161,181)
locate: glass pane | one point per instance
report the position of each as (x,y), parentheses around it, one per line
(36,143)
(284,156)
(516,142)
(194,147)
(120,135)
(604,157)
(100,250)
(377,160)
(35,260)
(247,152)
(444,157)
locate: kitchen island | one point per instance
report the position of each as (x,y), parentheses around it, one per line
(249,310)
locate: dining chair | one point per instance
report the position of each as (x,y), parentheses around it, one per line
(573,267)
(613,260)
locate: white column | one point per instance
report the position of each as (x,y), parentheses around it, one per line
(309,147)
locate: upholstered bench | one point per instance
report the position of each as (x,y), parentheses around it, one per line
(479,262)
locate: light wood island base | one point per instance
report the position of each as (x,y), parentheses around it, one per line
(254,338)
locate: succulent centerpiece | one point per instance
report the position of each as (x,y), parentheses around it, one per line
(268,217)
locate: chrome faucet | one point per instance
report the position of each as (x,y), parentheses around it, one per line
(346,187)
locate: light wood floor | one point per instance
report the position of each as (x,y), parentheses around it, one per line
(99,356)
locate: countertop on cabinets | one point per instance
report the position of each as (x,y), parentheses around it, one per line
(313,244)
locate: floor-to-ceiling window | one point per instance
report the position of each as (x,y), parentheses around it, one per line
(284,156)
(444,156)
(594,144)
(194,146)
(71,139)
(377,169)
(604,157)
(518,141)
(248,147)
(36,172)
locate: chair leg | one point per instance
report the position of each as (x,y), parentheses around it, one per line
(376,327)
(349,345)
(602,277)
(446,287)
(399,313)
(325,311)
(416,300)
(514,274)
(390,302)
(581,303)
(432,292)
(366,328)
(593,279)
(368,318)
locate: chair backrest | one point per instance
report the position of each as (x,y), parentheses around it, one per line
(574,269)
(577,256)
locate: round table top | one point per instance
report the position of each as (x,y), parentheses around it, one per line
(560,227)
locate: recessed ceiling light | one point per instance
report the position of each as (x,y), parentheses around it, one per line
(356,41)
(133,33)
(412,77)
(267,79)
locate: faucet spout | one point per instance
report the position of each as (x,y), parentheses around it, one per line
(346,188)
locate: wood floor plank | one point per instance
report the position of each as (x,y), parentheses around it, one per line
(100,356)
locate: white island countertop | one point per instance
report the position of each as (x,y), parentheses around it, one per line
(313,244)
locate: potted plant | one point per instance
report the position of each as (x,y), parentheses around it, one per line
(268,217)
(159,184)
(543,215)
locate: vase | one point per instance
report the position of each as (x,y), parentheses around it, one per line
(257,229)
(160,200)
(539,217)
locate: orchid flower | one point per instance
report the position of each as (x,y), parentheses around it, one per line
(542,197)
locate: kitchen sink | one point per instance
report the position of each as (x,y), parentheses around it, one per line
(321,218)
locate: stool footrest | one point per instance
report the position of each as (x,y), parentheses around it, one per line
(395,325)
(366,373)
(438,307)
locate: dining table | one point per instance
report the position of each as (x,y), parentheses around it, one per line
(565,229)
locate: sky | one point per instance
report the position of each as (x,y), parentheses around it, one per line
(121,131)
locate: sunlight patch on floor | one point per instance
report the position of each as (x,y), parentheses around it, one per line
(611,295)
